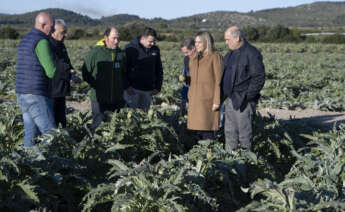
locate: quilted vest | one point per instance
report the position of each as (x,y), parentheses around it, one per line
(30,75)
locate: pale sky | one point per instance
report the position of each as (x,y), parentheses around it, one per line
(145,8)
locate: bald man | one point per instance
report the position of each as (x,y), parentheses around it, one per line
(35,66)
(243,78)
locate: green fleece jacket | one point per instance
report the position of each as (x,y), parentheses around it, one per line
(104,70)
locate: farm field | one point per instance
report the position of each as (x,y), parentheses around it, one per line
(149,162)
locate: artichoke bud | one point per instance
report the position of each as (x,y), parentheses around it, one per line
(150,113)
(208,155)
(181,78)
(129,114)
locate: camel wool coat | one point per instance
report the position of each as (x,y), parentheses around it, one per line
(204,91)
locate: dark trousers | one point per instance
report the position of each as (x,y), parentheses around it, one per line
(238,126)
(59,110)
(98,110)
(203,135)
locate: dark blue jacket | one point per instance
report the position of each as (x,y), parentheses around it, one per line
(144,66)
(30,75)
(248,76)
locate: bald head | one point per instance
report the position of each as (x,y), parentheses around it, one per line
(44,22)
(234,37)
(235,31)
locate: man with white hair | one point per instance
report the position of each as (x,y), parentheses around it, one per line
(35,65)
(243,78)
(60,84)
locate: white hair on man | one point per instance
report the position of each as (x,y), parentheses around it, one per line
(60,22)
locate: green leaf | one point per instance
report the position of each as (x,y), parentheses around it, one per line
(117,146)
(29,190)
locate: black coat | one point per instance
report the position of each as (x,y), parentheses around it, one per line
(248,78)
(60,85)
(144,66)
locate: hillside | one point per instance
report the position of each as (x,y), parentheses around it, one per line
(311,15)
(217,19)
(27,19)
(119,19)
(318,14)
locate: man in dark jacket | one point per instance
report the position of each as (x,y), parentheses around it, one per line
(145,71)
(35,65)
(104,69)
(60,85)
(243,78)
(188,49)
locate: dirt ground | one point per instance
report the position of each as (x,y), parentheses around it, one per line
(323,119)
(314,117)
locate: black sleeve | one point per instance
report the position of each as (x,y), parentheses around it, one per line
(257,72)
(67,59)
(159,72)
(130,52)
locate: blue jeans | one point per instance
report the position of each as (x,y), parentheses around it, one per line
(37,116)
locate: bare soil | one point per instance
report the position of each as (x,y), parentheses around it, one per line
(323,119)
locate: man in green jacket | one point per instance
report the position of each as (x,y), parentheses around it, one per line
(104,70)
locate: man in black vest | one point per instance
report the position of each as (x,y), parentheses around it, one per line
(60,85)
(35,66)
(243,78)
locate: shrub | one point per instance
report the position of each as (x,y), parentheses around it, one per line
(336,39)
(8,33)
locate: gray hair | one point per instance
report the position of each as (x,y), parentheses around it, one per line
(238,32)
(60,22)
(188,43)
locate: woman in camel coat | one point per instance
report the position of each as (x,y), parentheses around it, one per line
(204,91)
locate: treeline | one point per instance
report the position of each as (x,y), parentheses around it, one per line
(281,34)
(268,34)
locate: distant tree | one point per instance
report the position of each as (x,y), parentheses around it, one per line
(163,26)
(134,29)
(336,39)
(218,36)
(276,33)
(125,34)
(77,34)
(251,33)
(262,31)
(8,33)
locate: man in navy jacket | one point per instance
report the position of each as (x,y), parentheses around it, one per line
(243,78)
(144,70)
